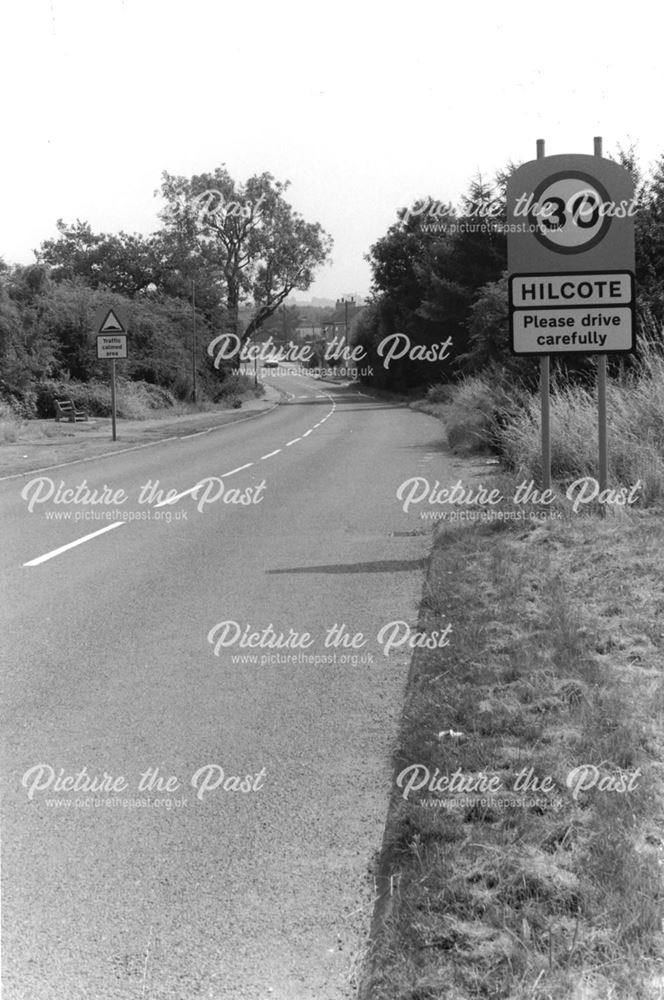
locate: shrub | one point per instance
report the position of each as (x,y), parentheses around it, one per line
(635,411)
(477,412)
(135,400)
(441,393)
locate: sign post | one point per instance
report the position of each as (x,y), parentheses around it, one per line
(545,392)
(570,248)
(111,330)
(602,425)
(113,406)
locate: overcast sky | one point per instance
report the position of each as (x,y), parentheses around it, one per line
(363,106)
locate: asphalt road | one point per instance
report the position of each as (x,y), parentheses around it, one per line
(132,866)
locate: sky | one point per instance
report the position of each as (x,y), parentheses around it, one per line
(364,106)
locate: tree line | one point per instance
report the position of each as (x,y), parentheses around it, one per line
(441,273)
(227,256)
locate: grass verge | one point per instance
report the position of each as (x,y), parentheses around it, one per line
(552,891)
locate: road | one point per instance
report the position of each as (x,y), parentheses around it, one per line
(190,812)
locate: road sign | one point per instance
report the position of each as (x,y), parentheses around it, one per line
(109,319)
(112,345)
(570,255)
(570,249)
(584,312)
(110,326)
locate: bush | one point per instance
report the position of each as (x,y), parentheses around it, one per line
(442,393)
(135,400)
(635,409)
(10,422)
(477,412)
(235,385)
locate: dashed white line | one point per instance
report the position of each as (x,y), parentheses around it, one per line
(171,500)
(225,475)
(192,489)
(72,545)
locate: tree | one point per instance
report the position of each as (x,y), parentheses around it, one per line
(28,348)
(258,247)
(649,243)
(480,244)
(282,325)
(124,263)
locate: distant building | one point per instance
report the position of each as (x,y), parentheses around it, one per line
(346,312)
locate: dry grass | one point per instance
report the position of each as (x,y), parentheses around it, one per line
(635,408)
(14,428)
(483,414)
(470,410)
(556,661)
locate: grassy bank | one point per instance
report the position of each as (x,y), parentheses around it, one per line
(555,891)
(489,413)
(135,401)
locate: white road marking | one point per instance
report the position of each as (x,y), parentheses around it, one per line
(225,475)
(162,503)
(178,496)
(72,545)
(192,489)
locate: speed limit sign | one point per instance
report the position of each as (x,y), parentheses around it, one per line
(571,212)
(570,216)
(570,250)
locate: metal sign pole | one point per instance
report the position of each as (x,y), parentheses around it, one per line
(193,340)
(545,395)
(602,434)
(113,396)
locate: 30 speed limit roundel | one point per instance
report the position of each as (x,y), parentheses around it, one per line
(569,212)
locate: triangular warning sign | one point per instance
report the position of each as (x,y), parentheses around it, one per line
(111,324)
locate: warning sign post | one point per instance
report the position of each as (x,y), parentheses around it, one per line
(110,327)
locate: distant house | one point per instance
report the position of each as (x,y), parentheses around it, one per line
(341,323)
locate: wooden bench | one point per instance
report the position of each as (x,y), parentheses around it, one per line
(65,408)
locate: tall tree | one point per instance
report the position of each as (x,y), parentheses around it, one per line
(259,247)
(125,263)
